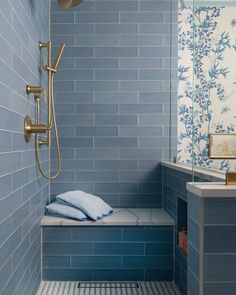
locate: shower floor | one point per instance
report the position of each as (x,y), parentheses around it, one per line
(107,288)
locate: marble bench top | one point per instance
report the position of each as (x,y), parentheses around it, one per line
(124,217)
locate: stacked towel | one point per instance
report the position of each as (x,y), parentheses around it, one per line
(79,205)
(58,209)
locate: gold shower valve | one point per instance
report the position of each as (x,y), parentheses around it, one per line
(30,128)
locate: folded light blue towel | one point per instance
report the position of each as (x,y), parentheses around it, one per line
(93,206)
(58,209)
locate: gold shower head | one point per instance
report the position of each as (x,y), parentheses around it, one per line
(69,3)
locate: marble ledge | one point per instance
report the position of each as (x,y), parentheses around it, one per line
(207,174)
(212,189)
(120,217)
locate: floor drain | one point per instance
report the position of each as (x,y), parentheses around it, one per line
(108,285)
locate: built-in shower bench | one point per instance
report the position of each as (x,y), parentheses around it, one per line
(130,244)
(136,216)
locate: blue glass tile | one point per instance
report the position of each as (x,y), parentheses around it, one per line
(116,6)
(218,288)
(97,17)
(220,211)
(220,239)
(119,249)
(96,234)
(219,267)
(67,274)
(149,262)
(93,262)
(148,235)
(56,262)
(56,234)
(63,248)
(159,249)
(141,17)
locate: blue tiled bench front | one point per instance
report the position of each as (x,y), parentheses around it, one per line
(108,252)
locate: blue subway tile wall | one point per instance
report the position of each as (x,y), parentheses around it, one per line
(23,193)
(108,253)
(219,252)
(114,98)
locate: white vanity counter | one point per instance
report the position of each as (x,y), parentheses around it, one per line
(212,189)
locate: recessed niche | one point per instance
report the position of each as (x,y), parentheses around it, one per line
(182,225)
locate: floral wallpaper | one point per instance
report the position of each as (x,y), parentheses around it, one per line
(206,80)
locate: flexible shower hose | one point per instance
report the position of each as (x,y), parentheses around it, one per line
(49,177)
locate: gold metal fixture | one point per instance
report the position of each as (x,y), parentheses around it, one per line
(36,90)
(231,178)
(33,89)
(43,45)
(27,124)
(37,128)
(29,127)
(34,128)
(59,54)
(69,3)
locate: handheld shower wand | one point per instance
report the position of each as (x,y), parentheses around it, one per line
(59,55)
